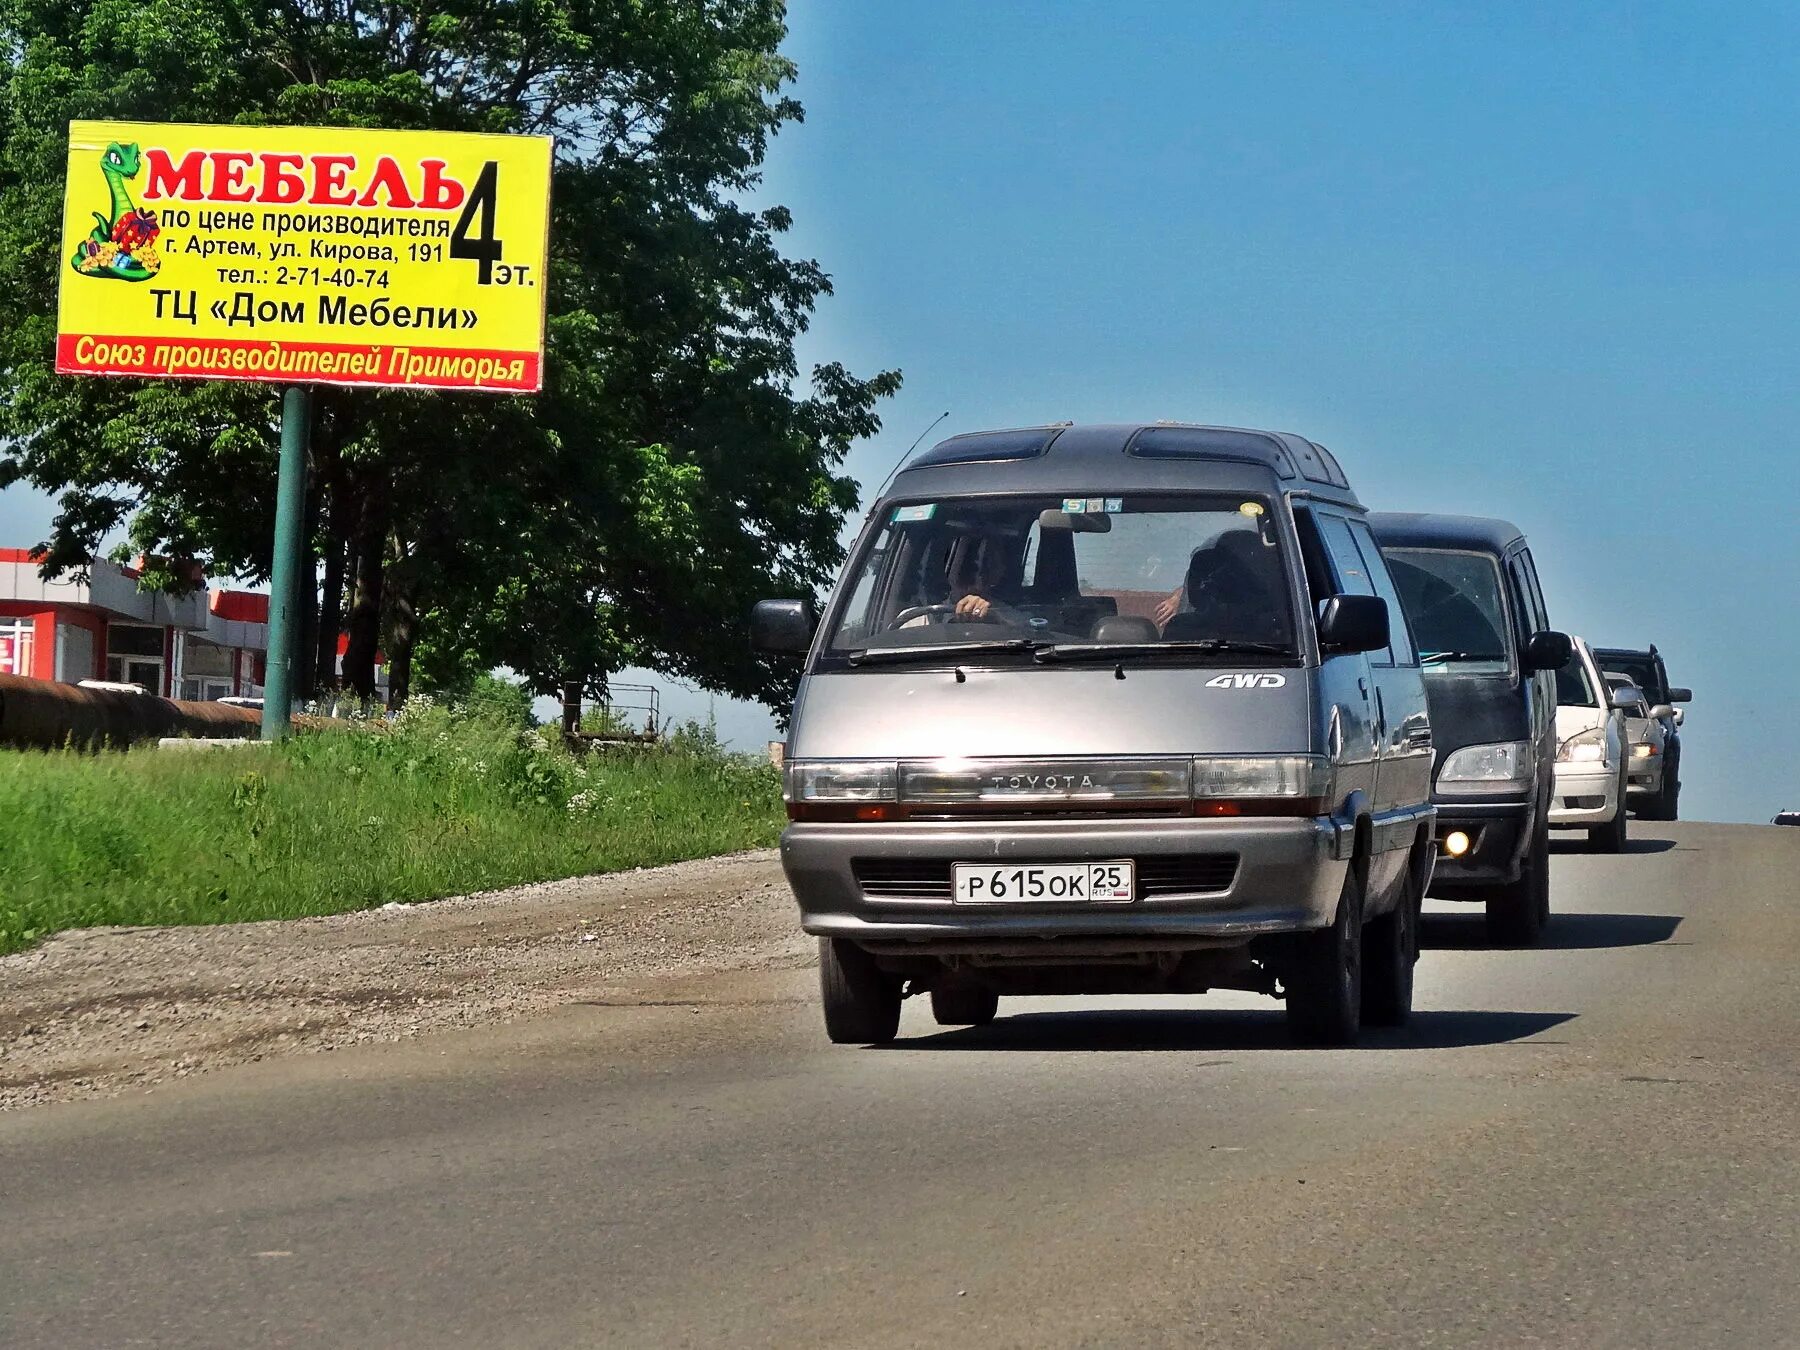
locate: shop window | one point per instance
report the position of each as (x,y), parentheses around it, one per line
(15,646)
(74,653)
(134,656)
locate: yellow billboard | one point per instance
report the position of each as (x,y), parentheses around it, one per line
(322,255)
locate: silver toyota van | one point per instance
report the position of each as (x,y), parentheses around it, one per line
(1113,710)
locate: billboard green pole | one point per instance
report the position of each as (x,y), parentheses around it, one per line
(284,577)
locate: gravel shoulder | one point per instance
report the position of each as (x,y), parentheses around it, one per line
(96,1012)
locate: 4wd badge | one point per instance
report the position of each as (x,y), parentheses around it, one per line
(1262,679)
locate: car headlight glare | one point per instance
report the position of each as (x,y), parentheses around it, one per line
(1642,750)
(1584,747)
(1507,766)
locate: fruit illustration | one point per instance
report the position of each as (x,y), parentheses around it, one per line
(122,245)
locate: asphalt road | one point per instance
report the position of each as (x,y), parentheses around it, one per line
(1593,1144)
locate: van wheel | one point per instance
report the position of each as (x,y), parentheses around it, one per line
(962,1006)
(1324,976)
(862,1001)
(1390,948)
(1610,837)
(1517,911)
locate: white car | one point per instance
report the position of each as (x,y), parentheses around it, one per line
(1591,753)
(1646,736)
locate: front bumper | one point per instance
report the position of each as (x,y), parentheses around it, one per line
(1499,833)
(1584,794)
(1288,875)
(1644,776)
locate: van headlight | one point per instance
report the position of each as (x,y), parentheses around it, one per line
(1508,766)
(807,780)
(1642,750)
(1283,776)
(1584,747)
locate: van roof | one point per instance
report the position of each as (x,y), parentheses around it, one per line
(1123,456)
(1426,529)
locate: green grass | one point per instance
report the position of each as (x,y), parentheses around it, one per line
(331,821)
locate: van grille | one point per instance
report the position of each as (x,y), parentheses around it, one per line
(1185,873)
(1158,875)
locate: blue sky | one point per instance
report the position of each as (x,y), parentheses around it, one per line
(1536,261)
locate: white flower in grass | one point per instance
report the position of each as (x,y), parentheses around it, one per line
(586,801)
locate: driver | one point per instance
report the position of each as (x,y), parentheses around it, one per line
(975,579)
(979,576)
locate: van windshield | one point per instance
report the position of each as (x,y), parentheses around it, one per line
(1456,607)
(1001,579)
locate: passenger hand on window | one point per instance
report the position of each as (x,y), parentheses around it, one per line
(972,607)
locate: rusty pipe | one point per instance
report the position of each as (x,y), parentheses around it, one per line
(49,715)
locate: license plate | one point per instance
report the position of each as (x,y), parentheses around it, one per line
(1102,883)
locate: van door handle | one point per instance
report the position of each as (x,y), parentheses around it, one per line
(1362,686)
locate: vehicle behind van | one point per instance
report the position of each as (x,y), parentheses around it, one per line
(1109,709)
(1592,752)
(1471,592)
(1647,741)
(1654,796)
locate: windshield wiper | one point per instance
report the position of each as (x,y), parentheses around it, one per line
(1435,658)
(1108,651)
(865,656)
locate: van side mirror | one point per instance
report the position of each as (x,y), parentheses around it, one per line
(1623,701)
(1679,695)
(1353,623)
(1547,649)
(784,626)
(1661,711)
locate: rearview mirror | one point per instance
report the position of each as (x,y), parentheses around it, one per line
(1548,650)
(784,626)
(1353,623)
(1623,701)
(1661,711)
(1679,695)
(1081,522)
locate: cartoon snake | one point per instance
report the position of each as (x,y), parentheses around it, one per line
(120,246)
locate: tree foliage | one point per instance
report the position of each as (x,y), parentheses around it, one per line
(676,465)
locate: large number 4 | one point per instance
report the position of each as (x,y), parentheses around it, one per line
(483,248)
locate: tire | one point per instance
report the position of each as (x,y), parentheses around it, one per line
(1610,837)
(962,1006)
(1517,911)
(1666,804)
(1324,977)
(862,1001)
(1390,949)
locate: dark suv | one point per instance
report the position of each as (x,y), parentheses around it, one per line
(1650,675)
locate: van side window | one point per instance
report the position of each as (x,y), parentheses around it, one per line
(1400,642)
(1353,574)
(1537,591)
(1527,617)
(1346,559)
(1319,585)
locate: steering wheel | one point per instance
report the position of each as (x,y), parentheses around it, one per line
(938,613)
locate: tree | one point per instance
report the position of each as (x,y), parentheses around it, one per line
(675,466)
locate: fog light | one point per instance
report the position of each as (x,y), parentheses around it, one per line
(1456,843)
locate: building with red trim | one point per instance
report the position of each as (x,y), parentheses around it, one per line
(211,643)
